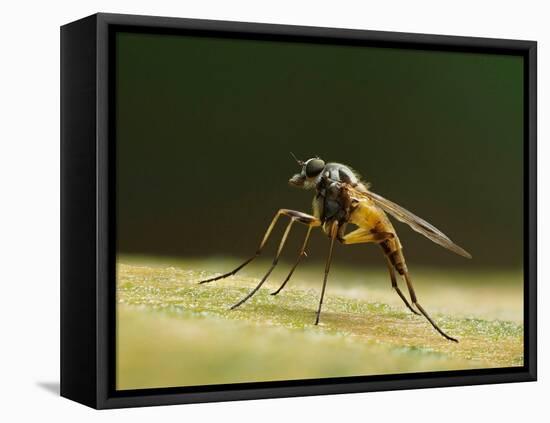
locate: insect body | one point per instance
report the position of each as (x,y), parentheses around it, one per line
(341,198)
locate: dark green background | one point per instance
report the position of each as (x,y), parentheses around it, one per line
(204,128)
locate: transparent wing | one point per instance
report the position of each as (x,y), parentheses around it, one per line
(415,222)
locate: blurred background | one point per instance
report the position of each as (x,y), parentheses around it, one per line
(204,131)
(205,127)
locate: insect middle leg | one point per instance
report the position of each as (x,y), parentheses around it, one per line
(333,234)
(296,215)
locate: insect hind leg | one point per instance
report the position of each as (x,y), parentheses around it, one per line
(362,235)
(414,300)
(396,287)
(397,260)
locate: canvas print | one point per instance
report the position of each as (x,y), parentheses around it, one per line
(290,210)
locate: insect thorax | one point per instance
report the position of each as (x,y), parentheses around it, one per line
(331,201)
(338,172)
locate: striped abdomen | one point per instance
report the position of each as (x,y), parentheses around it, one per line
(393,251)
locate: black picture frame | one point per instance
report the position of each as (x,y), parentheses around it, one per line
(87,212)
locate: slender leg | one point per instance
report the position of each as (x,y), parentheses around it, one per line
(333,233)
(419,307)
(363,236)
(300,255)
(299,216)
(394,286)
(275,261)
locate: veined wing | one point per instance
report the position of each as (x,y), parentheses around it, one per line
(416,223)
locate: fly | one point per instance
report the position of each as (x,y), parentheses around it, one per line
(342,198)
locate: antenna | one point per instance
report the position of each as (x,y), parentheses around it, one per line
(301,163)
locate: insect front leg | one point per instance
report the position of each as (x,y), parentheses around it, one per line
(295,216)
(299,216)
(275,261)
(301,254)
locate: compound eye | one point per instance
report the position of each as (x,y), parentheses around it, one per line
(314,167)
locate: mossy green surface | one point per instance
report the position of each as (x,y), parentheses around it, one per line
(173,332)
